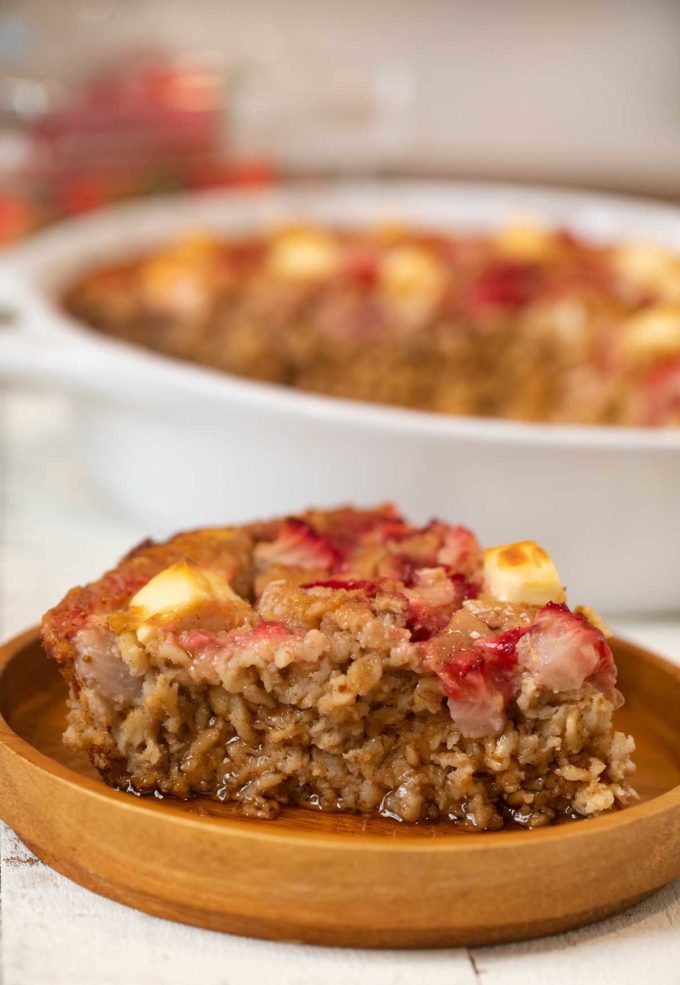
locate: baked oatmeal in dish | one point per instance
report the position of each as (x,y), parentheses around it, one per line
(345,660)
(528,323)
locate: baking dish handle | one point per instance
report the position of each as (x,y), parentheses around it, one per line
(25,354)
(19,305)
(32,359)
(31,351)
(79,365)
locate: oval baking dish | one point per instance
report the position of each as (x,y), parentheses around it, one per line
(182,444)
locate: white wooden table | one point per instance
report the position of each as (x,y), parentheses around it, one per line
(56,530)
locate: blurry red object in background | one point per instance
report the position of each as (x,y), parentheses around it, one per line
(153,113)
(17,218)
(238,174)
(156,124)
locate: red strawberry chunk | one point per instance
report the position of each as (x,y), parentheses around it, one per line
(461,551)
(660,395)
(504,285)
(209,651)
(478,680)
(361,265)
(392,529)
(195,640)
(561,650)
(495,657)
(480,710)
(351,529)
(298,545)
(436,594)
(424,621)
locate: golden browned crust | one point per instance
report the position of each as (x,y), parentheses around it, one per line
(228,548)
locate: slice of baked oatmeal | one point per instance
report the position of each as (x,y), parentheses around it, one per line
(345,660)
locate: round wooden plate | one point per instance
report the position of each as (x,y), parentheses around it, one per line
(338,879)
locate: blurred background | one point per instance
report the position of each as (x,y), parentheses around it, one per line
(107,98)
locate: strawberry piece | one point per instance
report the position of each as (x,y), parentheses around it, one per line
(361,265)
(660,395)
(480,711)
(424,621)
(434,546)
(298,545)
(391,529)
(478,680)
(494,657)
(504,285)
(562,650)
(354,527)
(461,551)
(209,650)
(267,631)
(436,595)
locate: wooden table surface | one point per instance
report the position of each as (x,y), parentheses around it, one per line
(56,530)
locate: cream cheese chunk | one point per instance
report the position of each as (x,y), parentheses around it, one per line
(522,573)
(176,589)
(652,334)
(412,281)
(526,241)
(649,268)
(304,255)
(409,270)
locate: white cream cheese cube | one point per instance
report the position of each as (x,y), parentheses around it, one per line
(525,241)
(522,573)
(652,334)
(176,589)
(410,270)
(649,267)
(304,255)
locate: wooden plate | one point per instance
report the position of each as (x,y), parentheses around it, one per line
(338,879)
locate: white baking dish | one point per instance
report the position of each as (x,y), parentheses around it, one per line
(183,446)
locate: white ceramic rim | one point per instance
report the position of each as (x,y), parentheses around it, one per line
(34,273)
